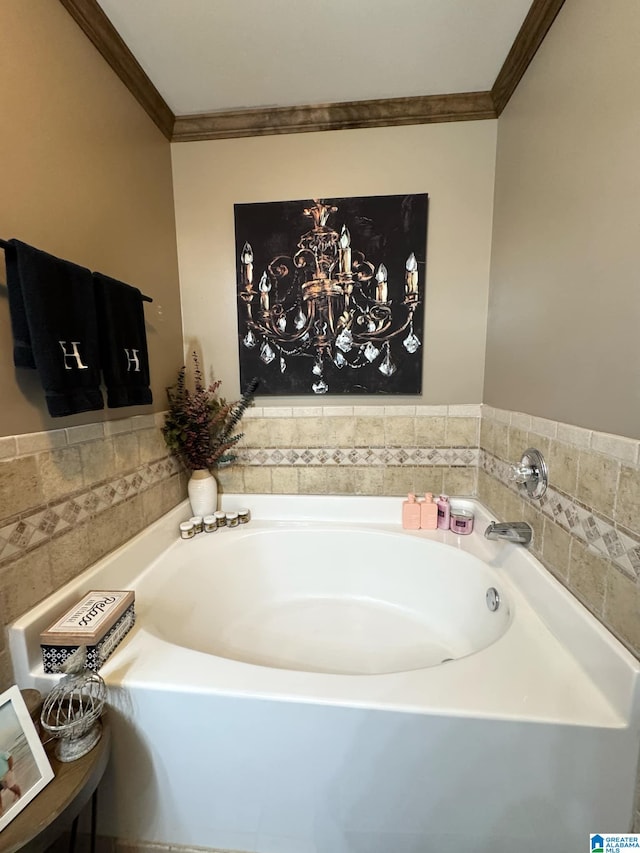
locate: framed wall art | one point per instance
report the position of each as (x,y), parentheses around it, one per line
(24,766)
(331,294)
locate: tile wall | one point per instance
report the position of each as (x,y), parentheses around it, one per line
(68,497)
(361,450)
(587,526)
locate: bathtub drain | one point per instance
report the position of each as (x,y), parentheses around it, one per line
(493,599)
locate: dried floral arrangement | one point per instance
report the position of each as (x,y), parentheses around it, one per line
(199,426)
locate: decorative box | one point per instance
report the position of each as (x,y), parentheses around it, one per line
(98,621)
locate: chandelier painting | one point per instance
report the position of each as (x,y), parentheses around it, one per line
(331,294)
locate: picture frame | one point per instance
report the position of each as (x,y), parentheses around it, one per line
(331,294)
(24,767)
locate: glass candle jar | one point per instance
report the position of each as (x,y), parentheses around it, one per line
(196,520)
(461,521)
(210,524)
(187,530)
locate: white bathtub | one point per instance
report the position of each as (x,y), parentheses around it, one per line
(324,598)
(321,681)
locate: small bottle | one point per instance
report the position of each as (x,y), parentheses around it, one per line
(221,517)
(196,520)
(428,513)
(210,524)
(411,513)
(232,519)
(444,512)
(187,530)
(244,516)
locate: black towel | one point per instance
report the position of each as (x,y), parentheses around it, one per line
(123,342)
(53,319)
(22,352)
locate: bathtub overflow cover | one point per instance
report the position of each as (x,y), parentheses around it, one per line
(493,599)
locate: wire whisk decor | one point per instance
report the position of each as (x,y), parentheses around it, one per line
(71,712)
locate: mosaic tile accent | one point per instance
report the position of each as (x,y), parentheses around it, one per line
(362,456)
(40,526)
(595,531)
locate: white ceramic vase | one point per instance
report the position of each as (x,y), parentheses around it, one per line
(202,489)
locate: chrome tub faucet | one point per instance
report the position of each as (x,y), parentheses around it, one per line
(518,532)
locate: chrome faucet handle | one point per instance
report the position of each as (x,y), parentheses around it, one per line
(531,474)
(521,473)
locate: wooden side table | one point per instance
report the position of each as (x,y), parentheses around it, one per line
(53,811)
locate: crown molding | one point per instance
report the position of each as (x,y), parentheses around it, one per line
(389,112)
(530,36)
(100,31)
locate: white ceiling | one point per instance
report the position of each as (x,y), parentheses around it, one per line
(211,55)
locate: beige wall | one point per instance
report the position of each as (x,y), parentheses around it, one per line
(454,163)
(564,309)
(86,175)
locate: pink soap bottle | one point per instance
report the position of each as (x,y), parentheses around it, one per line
(428,513)
(411,513)
(444,512)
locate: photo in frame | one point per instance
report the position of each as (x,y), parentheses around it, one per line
(331,294)
(24,767)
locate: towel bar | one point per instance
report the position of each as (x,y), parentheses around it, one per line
(6,245)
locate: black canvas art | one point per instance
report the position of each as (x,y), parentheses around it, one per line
(331,294)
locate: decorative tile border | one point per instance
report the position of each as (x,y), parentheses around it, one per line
(578,520)
(362,456)
(38,527)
